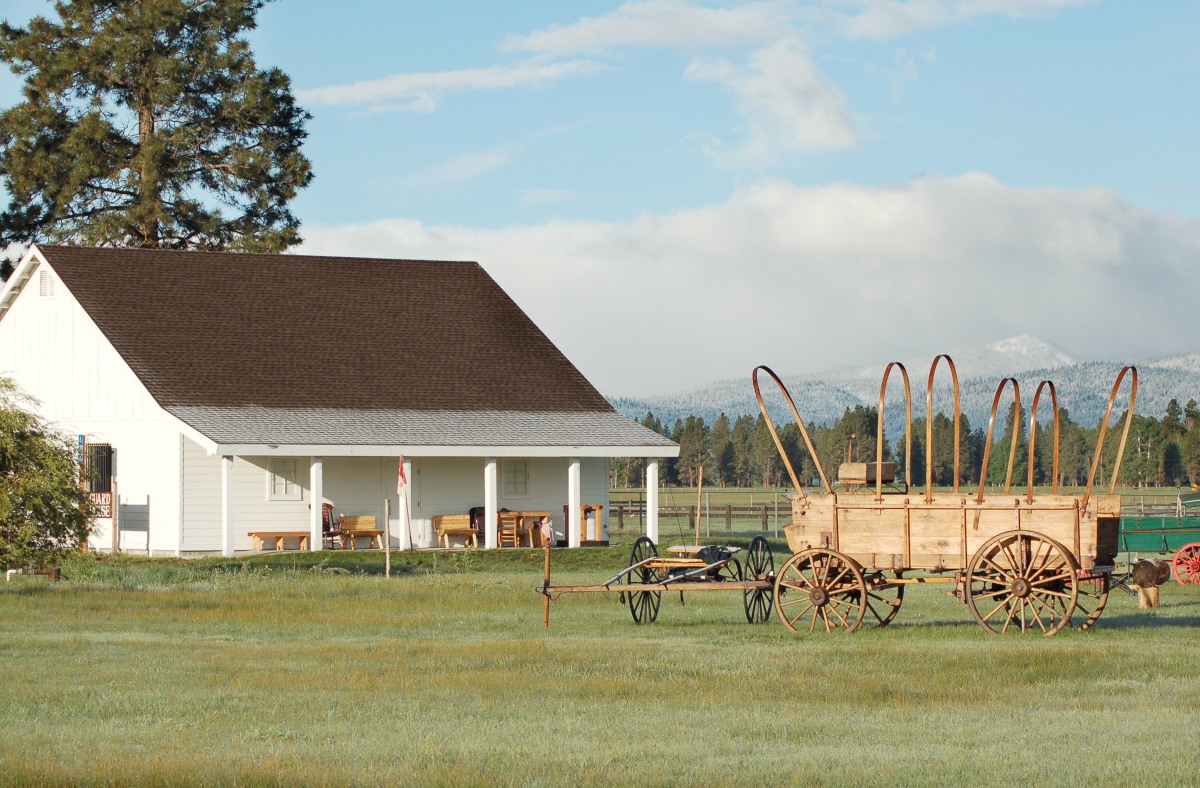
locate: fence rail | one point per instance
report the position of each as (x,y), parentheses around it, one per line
(630,516)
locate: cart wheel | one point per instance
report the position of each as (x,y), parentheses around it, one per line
(1187,564)
(819,585)
(883,599)
(643,605)
(760,567)
(1093,596)
(1022,580)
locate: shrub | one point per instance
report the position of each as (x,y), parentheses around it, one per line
(44,512)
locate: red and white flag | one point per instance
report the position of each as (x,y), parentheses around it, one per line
(401,479)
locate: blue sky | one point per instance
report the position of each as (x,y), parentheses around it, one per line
(678,191)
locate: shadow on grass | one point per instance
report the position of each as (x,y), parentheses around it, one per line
(1170,614)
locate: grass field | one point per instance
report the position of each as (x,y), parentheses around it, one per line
(315,669)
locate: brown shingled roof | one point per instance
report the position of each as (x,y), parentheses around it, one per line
(292,331)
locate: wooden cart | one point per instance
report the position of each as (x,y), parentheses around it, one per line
(684,568)
(1021,562)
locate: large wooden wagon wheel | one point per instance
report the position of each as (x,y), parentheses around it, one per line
(1186,565)
(1023,581)
(820,587)
(883,599)
(760,567)
(643,605)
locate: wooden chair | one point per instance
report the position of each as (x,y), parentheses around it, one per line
(508,529)
(330,532)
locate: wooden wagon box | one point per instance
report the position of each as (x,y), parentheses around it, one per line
(904,531)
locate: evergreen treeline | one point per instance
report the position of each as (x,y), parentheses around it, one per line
(1159,452)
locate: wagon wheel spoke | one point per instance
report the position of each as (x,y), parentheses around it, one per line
(1041,566)
(1036,607)
(993,594)
(1093,596)
(1047,580)
(887,599)
(997,569)
(1002,606)
(1014,563)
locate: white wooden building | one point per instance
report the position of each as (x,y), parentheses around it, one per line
(238,389)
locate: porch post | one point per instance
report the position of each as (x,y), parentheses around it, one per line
(652,500)
(573,524)
(316,486)
(227,506)
(490,504)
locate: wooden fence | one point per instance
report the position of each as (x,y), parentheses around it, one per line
(626,516)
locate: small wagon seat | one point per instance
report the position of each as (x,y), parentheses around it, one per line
(862,473)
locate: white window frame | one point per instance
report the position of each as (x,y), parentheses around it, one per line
(279,486)
(515,478)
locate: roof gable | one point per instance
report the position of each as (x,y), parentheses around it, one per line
(290,331)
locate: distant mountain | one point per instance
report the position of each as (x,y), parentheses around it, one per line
(1082,387)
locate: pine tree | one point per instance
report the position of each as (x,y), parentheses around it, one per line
(743,449)
(693,450)
(722,450)
(147,123)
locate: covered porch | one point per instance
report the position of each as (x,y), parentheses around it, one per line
(405,500)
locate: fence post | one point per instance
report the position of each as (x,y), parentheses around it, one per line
(692,514)
(621,518)
(764,517)
(728,517)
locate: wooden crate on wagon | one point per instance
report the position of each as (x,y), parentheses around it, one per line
(1021,561)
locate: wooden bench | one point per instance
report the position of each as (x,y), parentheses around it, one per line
(353,526)
(279,536)
(457,526)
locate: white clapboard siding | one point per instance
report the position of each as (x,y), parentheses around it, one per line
(54,352)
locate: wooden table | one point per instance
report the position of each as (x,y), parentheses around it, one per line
(530,523)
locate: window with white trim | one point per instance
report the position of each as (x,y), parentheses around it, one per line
(516,477)
(283,481)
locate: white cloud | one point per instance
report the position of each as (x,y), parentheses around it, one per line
(420,90)
(787,105)
(886,19)
(776,272)
(657,23)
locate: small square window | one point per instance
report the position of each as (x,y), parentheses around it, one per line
(282,481)
(516,477)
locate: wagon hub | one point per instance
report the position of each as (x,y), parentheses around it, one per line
(1020,588)
(818,596)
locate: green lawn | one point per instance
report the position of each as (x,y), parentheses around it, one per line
(272,671)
